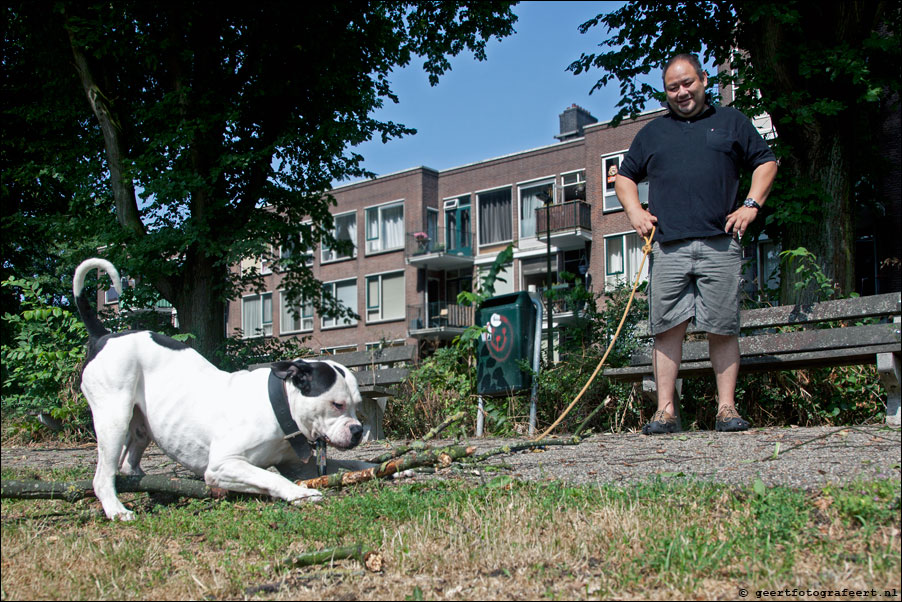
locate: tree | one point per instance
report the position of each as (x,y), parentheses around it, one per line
(222,128)
(828,75)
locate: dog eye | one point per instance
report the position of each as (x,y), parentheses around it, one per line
(338,406)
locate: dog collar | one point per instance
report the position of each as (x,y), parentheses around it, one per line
(278,398)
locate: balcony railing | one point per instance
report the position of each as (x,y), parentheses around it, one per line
(439,315)
(453,241)
(564,216)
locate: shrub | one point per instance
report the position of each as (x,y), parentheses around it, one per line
(41,365)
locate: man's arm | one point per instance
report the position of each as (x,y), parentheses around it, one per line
(762,180)
(628,195)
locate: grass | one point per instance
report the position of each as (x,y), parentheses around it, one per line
(451,540)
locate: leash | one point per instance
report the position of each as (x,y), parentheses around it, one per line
(645,250)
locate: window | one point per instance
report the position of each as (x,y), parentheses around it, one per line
(495,217)
(338,350)
(532,197)
(256,316)
(385,227)
(295,247)
(345,229)
(294,318)
(623,254)
(111,295)
(574,186)
(345,292)
(504,283)
(385,297)
(611,167)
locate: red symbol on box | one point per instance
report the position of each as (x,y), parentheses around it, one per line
(500,341)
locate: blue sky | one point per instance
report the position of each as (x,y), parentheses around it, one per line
(505,104)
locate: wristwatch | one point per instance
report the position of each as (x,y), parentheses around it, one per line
(750,202)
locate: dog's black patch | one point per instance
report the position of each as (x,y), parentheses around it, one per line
(312,379)
(168,342)
(96,345)
(340,371)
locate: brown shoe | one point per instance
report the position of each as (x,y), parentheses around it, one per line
(729,420)
(662,422)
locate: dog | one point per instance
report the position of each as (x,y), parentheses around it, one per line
(143,386)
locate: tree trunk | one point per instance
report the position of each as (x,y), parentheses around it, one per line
(199,304)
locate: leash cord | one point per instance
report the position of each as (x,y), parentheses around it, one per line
(646,250)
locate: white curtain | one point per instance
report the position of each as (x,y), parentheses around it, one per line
(393,227)
(529,202)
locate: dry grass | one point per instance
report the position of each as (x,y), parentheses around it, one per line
(502,541)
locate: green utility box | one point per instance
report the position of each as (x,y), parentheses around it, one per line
(508,344)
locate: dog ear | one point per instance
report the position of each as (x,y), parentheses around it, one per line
(291,370)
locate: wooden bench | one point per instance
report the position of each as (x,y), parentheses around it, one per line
(378,372)
(763,347)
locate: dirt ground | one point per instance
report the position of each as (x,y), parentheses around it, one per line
(798,457)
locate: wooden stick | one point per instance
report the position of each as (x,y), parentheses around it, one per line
(443,456)
(509,449)
(76,490)
(419,444)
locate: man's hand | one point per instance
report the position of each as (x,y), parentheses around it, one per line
(642,221)
(738,221)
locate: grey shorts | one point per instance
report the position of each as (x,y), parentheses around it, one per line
(697,278)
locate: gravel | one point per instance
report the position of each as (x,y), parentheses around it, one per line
(804,458)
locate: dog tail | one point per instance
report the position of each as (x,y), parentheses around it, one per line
(96,329)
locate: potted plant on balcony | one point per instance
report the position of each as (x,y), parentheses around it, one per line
(422,240)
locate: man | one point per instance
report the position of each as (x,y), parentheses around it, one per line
(692,157)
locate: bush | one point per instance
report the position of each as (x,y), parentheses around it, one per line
(41,365)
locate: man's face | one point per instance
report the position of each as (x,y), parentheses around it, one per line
(685,91)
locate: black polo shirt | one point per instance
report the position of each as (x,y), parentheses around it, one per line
(693,167)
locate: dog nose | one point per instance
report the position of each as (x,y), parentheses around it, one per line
(356,434)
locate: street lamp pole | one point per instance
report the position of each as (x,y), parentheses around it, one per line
(547,199)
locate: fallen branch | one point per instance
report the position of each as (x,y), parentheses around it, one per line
(368,557)
(442,456)
(73,491)
(420,444)
(509,449)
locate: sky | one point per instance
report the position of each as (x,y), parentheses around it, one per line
(506,104)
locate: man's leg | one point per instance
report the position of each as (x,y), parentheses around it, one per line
(668,354)
(724,352)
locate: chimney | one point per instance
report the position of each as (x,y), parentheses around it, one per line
(573,120)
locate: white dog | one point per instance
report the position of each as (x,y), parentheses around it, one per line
(143,386)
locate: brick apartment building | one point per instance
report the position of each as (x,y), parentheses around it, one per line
(421,236)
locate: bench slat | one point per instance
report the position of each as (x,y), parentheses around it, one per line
(793,342)
(386,355)
(872,306)
(763,363)
(382,376)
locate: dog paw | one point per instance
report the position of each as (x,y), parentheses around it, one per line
(404,474)
(308,496)
(124,515)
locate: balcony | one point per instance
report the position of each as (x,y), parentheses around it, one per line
(448,249)
(566,310)
(438,320)
(570,224)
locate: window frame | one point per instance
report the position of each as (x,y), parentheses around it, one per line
(261,330)
(366,224)
(479,198)
(283,312)
(380,306)
(528,185)
(352,322)
(625,274)
(324,248)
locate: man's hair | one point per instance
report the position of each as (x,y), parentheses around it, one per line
(691,59)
